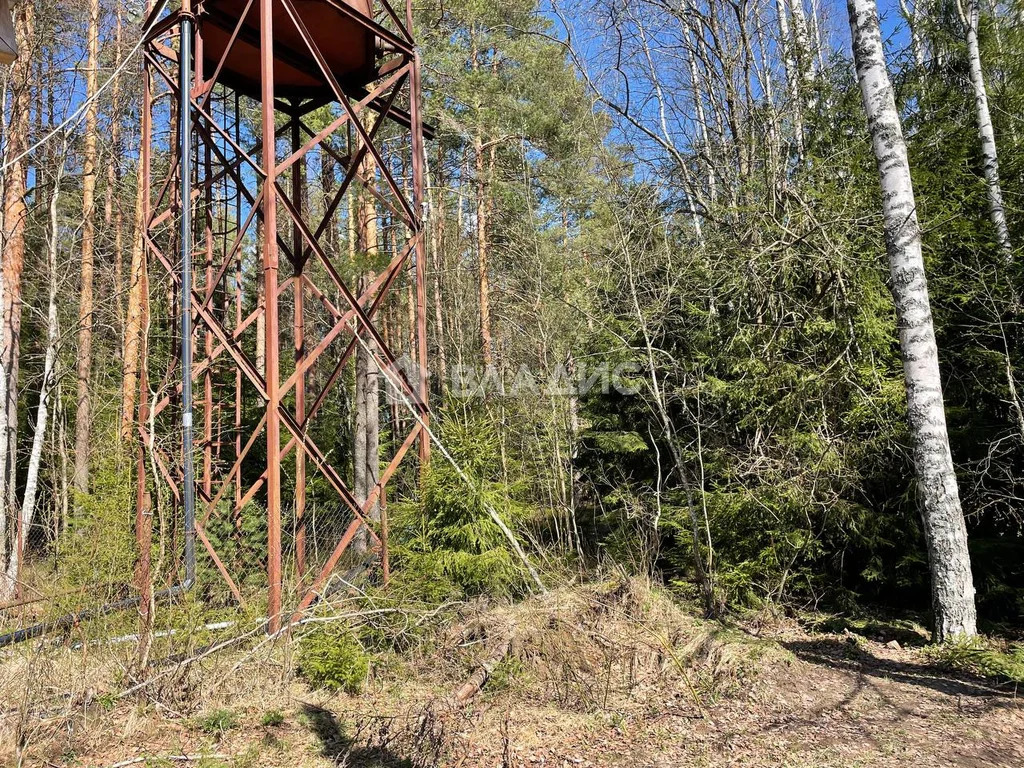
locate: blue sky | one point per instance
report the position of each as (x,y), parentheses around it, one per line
(833,12)
(893,27)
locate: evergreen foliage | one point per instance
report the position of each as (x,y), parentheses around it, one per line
(331,657)
(449,544)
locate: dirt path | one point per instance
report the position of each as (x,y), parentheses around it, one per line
(840,704)
(834,703)
(830,705)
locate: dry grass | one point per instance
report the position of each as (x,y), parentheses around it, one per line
(609,674)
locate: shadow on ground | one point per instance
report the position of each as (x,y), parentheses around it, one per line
(846,656)
(907,633)
(342,749)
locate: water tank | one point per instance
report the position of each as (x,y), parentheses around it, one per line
(345,43)
(8,42)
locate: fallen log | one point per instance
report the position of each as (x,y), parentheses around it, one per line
(479,679)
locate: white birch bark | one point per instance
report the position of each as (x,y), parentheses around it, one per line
(819,37)
(792,76)
(912,16)
(986,135)
(691,40)
(28,503)
(939,498)
(698,105)
(804,55)
(763,71)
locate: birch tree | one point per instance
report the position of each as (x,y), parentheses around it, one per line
(483,251)
(792,76)
(28,502)
(802,43)
(912,15)
(939,498)
(986,134)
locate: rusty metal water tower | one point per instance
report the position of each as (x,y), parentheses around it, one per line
(246,102)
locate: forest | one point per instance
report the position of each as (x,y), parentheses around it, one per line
(680,421)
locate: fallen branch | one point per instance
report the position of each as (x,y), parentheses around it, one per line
(168,758)
(191,660)
(478,680)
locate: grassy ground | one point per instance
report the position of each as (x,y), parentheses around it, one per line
(610,675)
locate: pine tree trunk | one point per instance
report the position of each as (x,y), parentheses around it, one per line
(359,439)
(437,244)
(483,253)
(83,415)
(945,529)
(366,453)
(261,318)
(133,320)
(64,485)
(14,215)
(482,208)
(986,134)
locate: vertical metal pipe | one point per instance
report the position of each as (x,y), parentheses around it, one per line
(185,131)
(237,116)
(273,335)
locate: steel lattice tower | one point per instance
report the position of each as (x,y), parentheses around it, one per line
(244,102)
